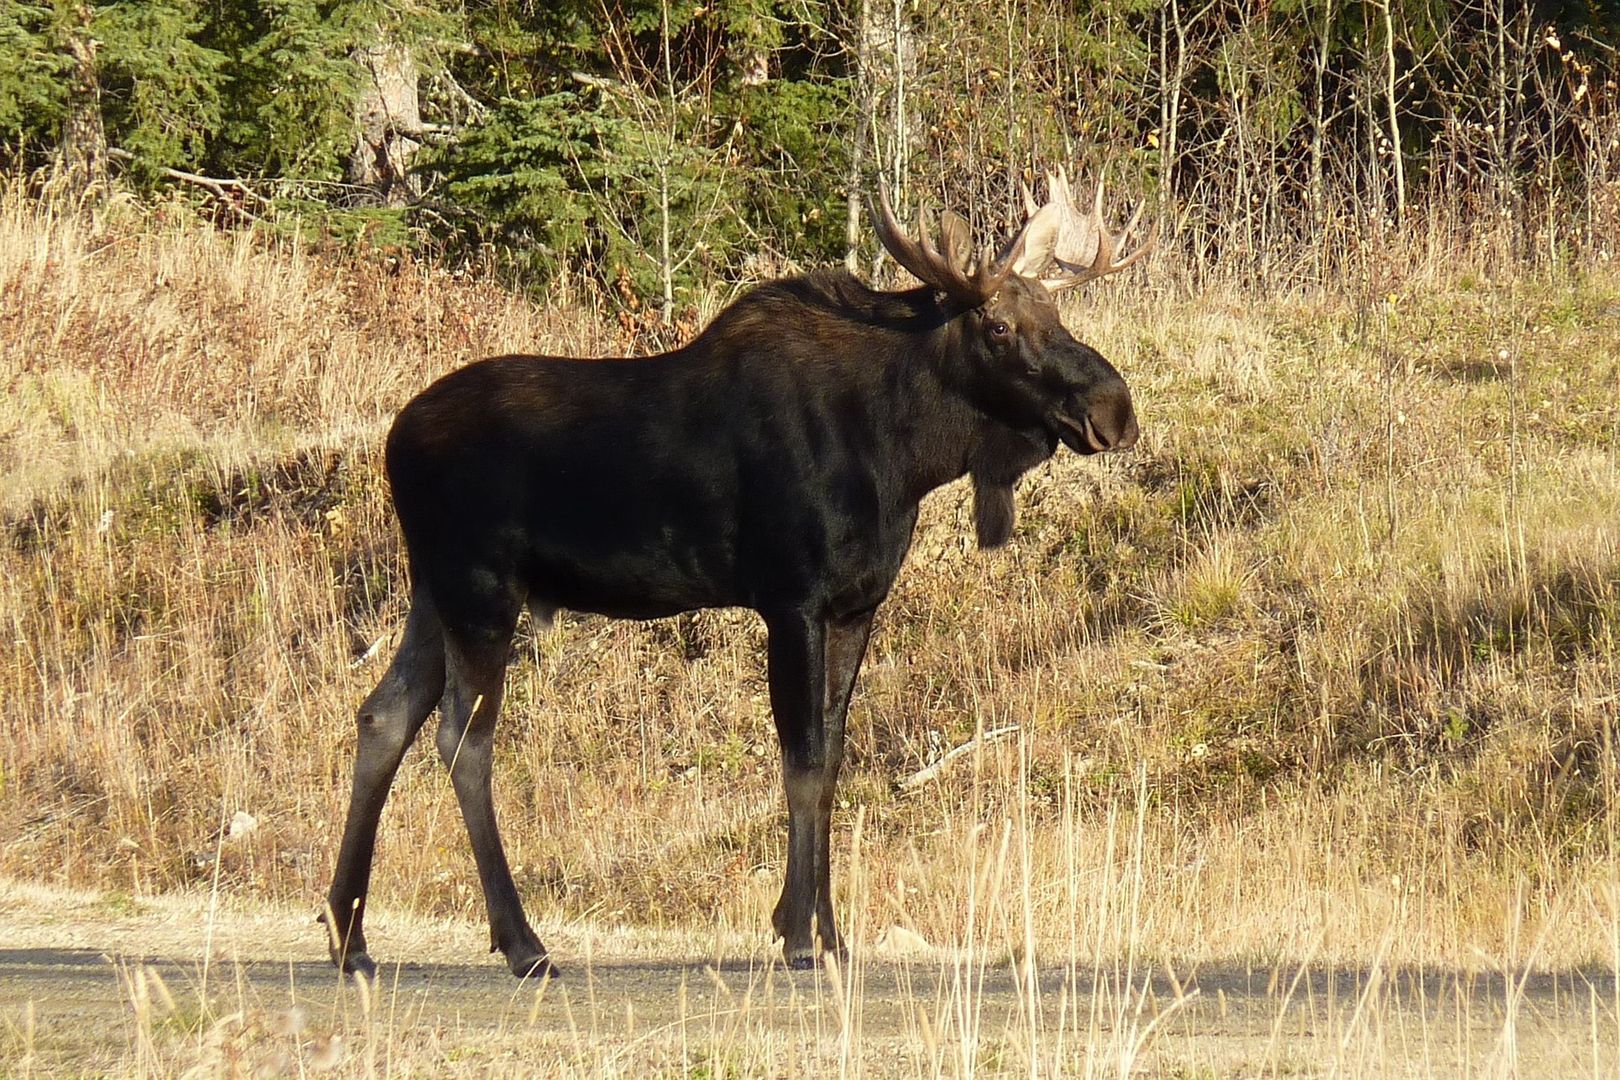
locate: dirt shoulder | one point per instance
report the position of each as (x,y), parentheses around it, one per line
(109,985)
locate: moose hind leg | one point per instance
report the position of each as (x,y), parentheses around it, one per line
(477,669)
(846,646)
(387,721)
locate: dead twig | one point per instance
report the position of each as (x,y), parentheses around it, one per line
(929,772)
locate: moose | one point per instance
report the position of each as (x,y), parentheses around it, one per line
(776,463)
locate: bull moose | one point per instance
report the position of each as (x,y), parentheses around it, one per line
(775,463)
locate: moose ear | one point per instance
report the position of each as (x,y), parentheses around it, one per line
(993,513)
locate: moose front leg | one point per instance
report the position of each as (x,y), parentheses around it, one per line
(812,668)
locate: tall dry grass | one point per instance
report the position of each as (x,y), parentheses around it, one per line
(1339,637)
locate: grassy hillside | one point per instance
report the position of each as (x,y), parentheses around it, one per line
(1328,666)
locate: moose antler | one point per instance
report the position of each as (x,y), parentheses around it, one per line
(1082,248)
(946,268)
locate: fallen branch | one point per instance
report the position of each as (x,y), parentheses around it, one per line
(220,187)
(929,772)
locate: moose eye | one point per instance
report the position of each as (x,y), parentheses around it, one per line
(998,329)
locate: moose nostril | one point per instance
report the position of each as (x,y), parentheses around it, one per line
(1113,422)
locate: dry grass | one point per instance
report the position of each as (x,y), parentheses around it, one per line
(1338,641)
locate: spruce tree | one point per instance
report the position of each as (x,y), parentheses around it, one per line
(78,77)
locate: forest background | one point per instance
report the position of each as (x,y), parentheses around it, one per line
(652,148)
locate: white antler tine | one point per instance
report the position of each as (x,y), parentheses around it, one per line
(1107,244)
(1130,226)
(1142,250)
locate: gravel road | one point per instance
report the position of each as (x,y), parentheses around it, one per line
(114,986)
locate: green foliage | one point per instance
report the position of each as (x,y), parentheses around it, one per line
(630,150)
(355,229)
(32,86)
(1261,64)
(241,87)
(526,177)
(518,47)
(161,88)
(755,24)
(296,79)
(298,86)
(656,144)
(795,133)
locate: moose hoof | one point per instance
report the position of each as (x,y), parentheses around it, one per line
(810,957)
(534,967)
(359,965)
(348,956)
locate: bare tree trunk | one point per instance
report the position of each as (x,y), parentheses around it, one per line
(863,125)
(1241,227)
(1319,62)
(1010,134)
(1367,91)
(1169,101)
(1391,97)
(666,257)
(1499,130)
(902,139)
(82,151)
(388,124)
(886,48)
